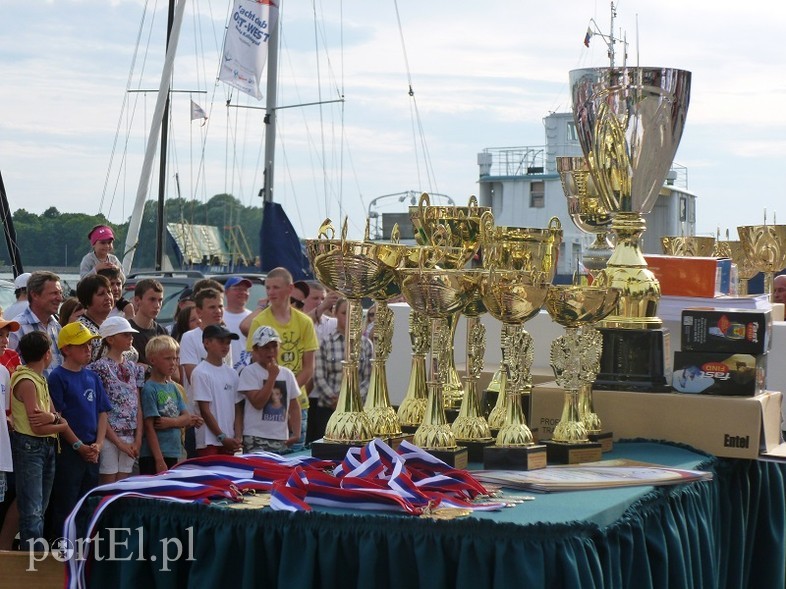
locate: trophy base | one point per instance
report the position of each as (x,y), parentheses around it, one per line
(409,429)
(476,448)
(605,439)
(451,414)
(514,457)
(635,360)
(454,457)
(395,441)
(565,453)
(325,450)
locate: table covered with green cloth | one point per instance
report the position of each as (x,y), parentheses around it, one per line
(728,532)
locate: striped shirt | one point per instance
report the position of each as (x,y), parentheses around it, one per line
(28,323)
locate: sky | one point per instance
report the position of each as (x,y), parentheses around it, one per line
(483,75)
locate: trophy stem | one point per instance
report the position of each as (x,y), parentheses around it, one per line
(470,423)
(769,277)
(496,417)
(453,390)
(413,407)
(627,271)
(349,423)
(570,429)
(517,355)
(383,418)
(589,418)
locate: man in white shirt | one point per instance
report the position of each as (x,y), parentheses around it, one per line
(236,293)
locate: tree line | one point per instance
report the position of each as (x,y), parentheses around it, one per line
(57,239)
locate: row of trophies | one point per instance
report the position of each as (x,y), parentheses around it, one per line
(629,122)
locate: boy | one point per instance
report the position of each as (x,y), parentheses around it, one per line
(163,409)
(271,416)
(298,336)
(36,425)
(148,298)
(79,395)
(215,391)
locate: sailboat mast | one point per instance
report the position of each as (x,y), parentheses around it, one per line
(270,108)
(135,223)
(162,163)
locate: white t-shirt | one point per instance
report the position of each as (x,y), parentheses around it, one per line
(232,321)
(6,463)
(270,422)
(218,386)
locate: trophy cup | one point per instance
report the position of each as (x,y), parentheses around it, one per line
(575,359)
(586,211)
(630,122)
(470,427)
(765,248)
(513,297)
(688,245)
(438,294)
(745,269)
(463,229)
(356,269)
(528,249)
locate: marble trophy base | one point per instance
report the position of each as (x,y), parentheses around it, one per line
(530,457)
(604,438)
(454,457)
(573,453)
(635,360)
(325,450)
(476,448)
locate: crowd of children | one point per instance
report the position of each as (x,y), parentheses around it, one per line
(104,392)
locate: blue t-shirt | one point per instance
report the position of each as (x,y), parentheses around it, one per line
(161,399)
(80,397)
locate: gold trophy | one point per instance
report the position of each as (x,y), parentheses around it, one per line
(586,211)
(745,269)
(356,269)
(765,248)
(517,248)
(438,294)
(688,245)
(461,225)
(470,427)
(513,297)
(575,359)
(629,122)
(413,406)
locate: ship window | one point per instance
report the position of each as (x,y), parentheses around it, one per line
(572,135)
(537,192)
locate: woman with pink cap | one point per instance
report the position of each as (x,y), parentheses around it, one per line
(102,241)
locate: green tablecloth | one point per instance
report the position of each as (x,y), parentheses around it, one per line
(729,532)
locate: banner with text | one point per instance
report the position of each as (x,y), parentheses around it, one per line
(246,43)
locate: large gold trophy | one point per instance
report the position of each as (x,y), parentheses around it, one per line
(629,122)
(356,269)
(575,359)
(586,211)
(438,294)
(460,225)
(745,269)
(765,249)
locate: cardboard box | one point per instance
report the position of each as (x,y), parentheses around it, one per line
(734,331)
(719,373)
(689,276)
(732,427)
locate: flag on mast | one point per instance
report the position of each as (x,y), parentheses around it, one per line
(587,37)
(197,112)
(246,44)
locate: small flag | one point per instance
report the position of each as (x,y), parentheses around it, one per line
(197,112)
(587,37)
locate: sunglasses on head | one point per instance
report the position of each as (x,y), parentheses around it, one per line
(298,304)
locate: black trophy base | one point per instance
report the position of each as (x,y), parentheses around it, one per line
(514,457)
(454,457)
(325,450)
(562,453)
(409,429)
(476,448)
(605,439)
(488,401)
(451,415)
(635,360)
(395,441)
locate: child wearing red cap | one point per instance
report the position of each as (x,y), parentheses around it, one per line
(100,256)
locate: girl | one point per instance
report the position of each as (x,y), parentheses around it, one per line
(102,243)
(122,380)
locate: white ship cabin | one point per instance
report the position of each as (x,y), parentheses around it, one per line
(523,189)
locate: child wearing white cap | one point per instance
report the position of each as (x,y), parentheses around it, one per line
(122,380)
(20,292)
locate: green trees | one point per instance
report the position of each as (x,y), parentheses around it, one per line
(55,239)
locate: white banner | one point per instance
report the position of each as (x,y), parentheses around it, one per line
(245,44)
